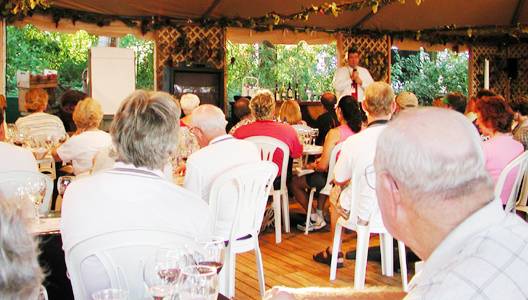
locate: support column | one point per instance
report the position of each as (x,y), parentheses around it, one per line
(2,57)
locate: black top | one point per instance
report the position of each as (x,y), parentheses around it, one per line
(325,122)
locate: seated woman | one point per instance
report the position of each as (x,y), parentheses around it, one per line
(38,124)
(349,116)
(290,112)
(494,118)
(87,141)
(20,273)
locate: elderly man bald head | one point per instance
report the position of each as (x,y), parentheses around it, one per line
(436,196)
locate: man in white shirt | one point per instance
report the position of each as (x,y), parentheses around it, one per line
(358,199)
(352,80)
(14,158)
(436,196)
(219,152)
(133,194)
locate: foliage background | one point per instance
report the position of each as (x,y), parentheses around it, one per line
(429,74)
(302,65)
(30,49)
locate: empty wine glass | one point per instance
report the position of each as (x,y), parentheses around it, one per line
(198,283)
(11,132)
(34,189)
(210,252)
(110,294)
(62,184)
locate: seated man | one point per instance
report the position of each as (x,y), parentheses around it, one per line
(328,119)
(15,158)
(358,199)
(219,151)
(262,107)
(438,199)
(242,113)
(134,193)
(456,101)
(406,100)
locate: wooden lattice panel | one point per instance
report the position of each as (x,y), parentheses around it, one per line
(374,54)
(499,80)
(191,44)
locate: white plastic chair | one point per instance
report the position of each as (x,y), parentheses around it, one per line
(267,147)
(122,255)
(251,184)
(326,189)
(519,166)
(362,244)
(10,181)
(47,166)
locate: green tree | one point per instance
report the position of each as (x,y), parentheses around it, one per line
(302,65)
(429,75)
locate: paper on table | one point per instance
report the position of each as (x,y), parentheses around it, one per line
(46,225)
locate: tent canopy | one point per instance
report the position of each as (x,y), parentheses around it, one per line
(393,16)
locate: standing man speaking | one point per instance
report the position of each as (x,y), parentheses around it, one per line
(352,80)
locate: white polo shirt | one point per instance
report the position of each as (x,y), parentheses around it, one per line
(207,164)
(127,197)
(355,162)
(81,149)
(41,125)
(16,159)
(485,257)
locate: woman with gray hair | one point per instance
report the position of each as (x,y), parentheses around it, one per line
(134,193)
(20,273)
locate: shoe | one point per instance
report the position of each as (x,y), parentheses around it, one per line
(325,257)
(312,226)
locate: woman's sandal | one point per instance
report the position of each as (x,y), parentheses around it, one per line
(325,257)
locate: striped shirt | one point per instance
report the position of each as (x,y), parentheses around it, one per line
(41,125)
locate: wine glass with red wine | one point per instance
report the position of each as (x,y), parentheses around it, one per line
(210,252)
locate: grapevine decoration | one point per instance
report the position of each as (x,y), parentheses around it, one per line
(21,7)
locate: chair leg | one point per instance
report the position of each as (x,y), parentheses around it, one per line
(224,277)
(260,269)
(309,209)
(285,210)
(362,243)
(232,277)
(403,265)
(387,245)
(277,213)
(335,251)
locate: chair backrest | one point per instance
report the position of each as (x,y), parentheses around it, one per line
(238,199)
(121,255)
(12,180)
(517,167)
(267,147)
(331,165)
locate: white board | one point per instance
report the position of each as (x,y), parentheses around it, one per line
(112,76)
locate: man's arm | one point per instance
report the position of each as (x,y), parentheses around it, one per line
(342,79)
(366,79)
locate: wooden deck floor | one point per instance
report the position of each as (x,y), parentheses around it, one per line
(290,264)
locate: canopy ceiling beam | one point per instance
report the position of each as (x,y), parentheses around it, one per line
(371,14)
(517,12)
(211,8)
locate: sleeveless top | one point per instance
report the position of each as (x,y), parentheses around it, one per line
(344,133)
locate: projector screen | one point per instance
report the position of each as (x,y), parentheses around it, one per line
(112,76)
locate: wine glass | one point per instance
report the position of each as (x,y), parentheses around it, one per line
(199,282)
(11,132)
(110,294)
(210,252)
(34,189)
(62,184)
(161,275)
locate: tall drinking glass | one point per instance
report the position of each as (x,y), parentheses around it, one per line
(210,252)
(198,283)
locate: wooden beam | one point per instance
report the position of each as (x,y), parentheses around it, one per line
(211,8)
(517,12)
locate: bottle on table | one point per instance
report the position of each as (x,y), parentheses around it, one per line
(284,96)
(277,93)
(289,92)
(296,92)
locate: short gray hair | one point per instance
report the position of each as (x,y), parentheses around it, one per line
(189,102)
(432,153)
(208,118)
(379,97)
(20,273)
(145,129)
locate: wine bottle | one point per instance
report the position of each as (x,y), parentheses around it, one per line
(296,92)
(284,96)
(289,92)
(277,94)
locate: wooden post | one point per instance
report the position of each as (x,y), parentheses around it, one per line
(3,42)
